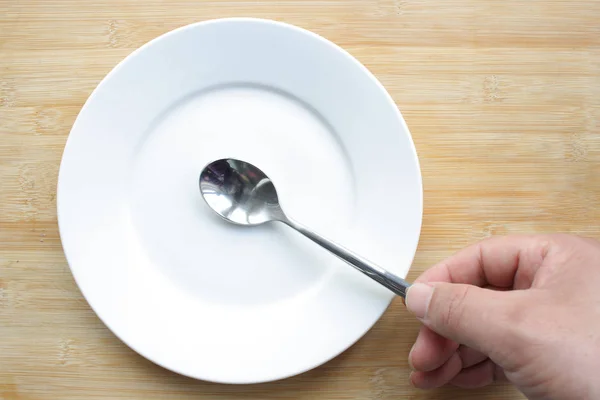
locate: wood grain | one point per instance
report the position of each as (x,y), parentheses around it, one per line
(502,99)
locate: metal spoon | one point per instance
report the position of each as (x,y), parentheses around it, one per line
(241,193)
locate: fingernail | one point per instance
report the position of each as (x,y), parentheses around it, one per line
(410,380)
(418,298)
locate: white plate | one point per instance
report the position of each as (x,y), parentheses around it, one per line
(175,282)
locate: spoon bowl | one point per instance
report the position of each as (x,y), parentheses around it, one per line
(240,192)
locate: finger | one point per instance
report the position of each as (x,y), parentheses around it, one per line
(438,377)
(500,261)
(430,350)
(478,318)
(470,356)
(478,376)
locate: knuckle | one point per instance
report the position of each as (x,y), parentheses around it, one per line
(454,309)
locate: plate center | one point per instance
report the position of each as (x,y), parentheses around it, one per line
(219,262)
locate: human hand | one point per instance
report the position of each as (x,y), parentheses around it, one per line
(520,308)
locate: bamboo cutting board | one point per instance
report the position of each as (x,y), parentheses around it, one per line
(502,98)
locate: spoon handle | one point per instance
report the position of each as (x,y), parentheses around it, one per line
(373,271)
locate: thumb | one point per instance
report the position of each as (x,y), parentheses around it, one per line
(476,317)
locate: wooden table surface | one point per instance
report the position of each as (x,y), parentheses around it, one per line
(502,98)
